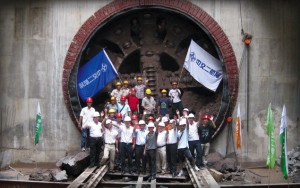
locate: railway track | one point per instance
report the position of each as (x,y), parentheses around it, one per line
(99,177)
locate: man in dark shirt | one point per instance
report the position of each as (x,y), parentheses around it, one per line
(206,130)
(150,150)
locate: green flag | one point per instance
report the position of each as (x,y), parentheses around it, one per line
(283,155)
(271,158)
(38,124)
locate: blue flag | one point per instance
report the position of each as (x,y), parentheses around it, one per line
(94,75)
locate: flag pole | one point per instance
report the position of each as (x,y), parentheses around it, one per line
(180,76)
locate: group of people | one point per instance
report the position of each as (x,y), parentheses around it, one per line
(152,139)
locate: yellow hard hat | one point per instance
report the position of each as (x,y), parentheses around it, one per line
(139,78)
(118,84)
(148,91)
(113,98)
(163,91)
(125,82)
(111,110)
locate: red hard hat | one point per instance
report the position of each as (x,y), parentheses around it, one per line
(118,115)
(134,117)
(123,98)
(150,118)
(89,99)
(133,89)
(205,117)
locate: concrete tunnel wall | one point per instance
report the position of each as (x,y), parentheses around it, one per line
(35,36)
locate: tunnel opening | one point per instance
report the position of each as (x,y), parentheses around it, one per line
(136,48)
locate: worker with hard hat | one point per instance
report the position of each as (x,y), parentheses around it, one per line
(112,104)
(125,89)
(183,146)
(175,96)
(164,103)
(139,147)
(127,146)
(124,108)
(96,140)
(117,92)
(150,150)
(110,144)
(133,101)
(172,147)
(140,92)
(85,117)
(148,103)
(194,142)
(206,129)
(161,152)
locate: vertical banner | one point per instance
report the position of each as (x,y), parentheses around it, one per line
(283,138)
(38,124)
(271,158)
(238,135)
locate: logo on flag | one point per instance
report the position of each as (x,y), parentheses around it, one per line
(95,75)
(203,67)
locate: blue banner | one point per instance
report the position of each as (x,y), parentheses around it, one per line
(94,75)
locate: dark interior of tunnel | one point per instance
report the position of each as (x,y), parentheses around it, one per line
(131,64)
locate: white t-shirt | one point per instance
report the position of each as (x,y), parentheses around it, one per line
(141,136)
(161,138)
(117,94)
(148,103)
(87,115)
(183,142)
(172,137)
(126,134)
(110,136)
(193,131)
(175,95)
(95,129)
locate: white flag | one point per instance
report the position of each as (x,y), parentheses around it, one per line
(204,68)
(283,137)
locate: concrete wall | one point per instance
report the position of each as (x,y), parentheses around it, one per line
(34,38)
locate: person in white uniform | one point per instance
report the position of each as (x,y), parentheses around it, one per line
(96,139)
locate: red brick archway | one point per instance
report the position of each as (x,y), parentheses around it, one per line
(182,6)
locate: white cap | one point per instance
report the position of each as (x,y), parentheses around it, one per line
(108,121)
(127,118)
(151,124)
(164,119)
(96,114)
(191,115)
(142,122)
(182,121)
(161,124)
(185,109)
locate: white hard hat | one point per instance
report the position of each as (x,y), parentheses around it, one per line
(191,115)
(185,109)
(96,114)
(150,124)
(142,122)
(172,120)
(161,124)
(108,121)
(182,121)
(164,119)
(127,118)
